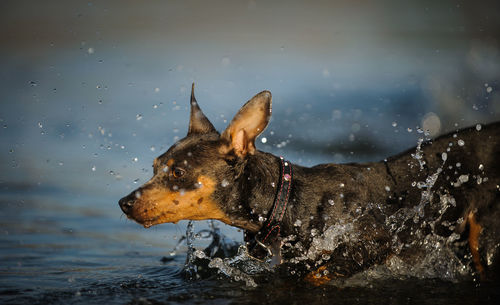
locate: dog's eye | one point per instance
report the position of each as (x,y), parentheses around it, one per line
(178,172)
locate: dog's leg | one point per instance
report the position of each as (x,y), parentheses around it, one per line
(474,233)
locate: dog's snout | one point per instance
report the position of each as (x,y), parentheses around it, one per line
(127,202)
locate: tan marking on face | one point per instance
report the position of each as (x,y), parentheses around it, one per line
(159,205)
(170,162)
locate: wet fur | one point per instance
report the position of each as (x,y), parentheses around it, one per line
(244,186)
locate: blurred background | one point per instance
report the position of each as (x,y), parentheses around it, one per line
(92,91)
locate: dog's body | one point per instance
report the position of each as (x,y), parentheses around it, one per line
(339,218)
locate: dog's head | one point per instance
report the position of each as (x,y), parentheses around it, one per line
(195,178)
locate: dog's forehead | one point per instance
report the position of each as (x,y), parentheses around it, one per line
(190,146)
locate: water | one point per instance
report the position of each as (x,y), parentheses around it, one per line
(65,244)
(55,253)
(89,99)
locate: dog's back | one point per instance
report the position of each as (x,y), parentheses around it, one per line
(453,181)
(463,164)
(442,187)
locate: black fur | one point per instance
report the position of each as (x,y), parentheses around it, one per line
(360,196)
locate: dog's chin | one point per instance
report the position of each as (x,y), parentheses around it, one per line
(147,223)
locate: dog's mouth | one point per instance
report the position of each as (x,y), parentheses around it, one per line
(149,219)
(154,205)
(149,222)
(154,216)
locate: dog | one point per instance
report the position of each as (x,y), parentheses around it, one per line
(331,220)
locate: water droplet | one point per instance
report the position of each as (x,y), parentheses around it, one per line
(331,202)
(387,188)
(157,89)
(224,183)
(394,124)
(478,127)
(461,142)
(136,180)
(444,156)
(33,84)
(40,125)
(489,89)
(90,50)
(200,254)
(463,178)
(137,194)
(93,168)
(138,117)
(481,167)
(135,159)
(152,148)
(263,140)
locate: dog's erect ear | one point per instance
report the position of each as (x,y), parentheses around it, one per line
(198,122)
(247,124)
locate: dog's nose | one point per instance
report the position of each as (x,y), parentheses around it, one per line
(127,202)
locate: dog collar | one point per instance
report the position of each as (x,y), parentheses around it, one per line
(258,244)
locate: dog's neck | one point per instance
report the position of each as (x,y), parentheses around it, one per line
(262,175)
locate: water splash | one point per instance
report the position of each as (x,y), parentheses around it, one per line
(418,155)
(239,268)
(223,255)
(190,268)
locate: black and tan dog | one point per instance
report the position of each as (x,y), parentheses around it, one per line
(335,219)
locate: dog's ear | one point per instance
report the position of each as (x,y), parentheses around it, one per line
(198,122)
(247,124)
